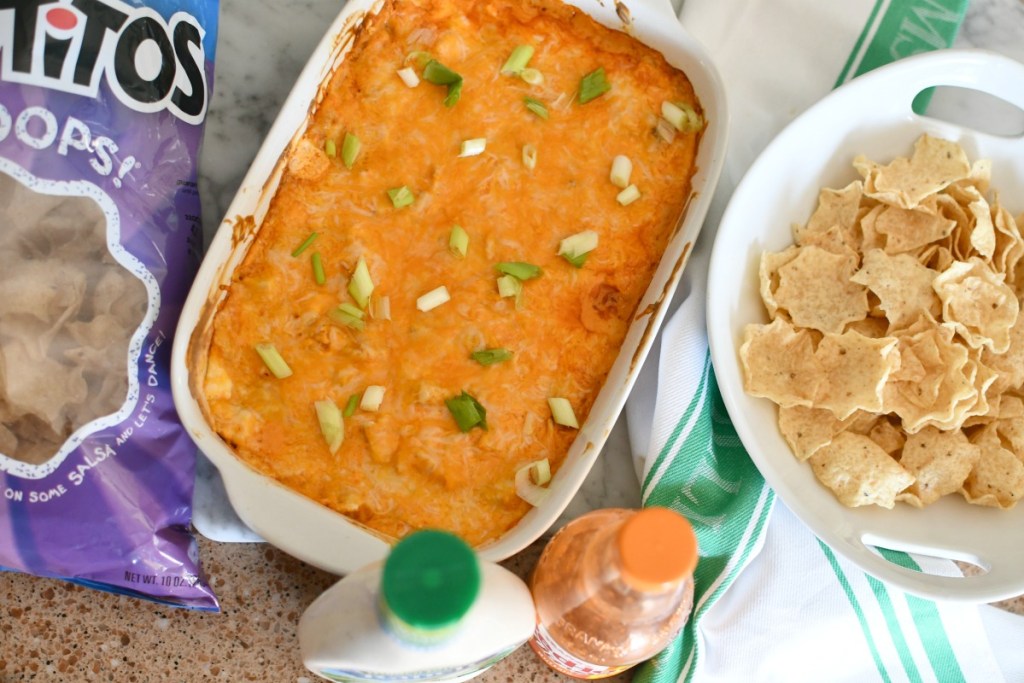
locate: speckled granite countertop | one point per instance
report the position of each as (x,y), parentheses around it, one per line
(56,631)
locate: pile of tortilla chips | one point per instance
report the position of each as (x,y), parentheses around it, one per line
(895,349)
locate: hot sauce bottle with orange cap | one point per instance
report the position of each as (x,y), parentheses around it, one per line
(612,589)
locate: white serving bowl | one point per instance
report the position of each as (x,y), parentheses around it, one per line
(871,115)
(313,532)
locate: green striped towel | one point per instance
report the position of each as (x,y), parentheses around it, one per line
(772,602)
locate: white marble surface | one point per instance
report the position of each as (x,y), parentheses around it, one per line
(263,45)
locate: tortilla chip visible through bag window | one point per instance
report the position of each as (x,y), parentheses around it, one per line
(68,310)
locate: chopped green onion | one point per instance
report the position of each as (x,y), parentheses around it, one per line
(331,424)
(517,61)
(491,356)
(349,309)
(318,269)
(380,308)
(401,196)
(373,396)
(577,261)
(305,244)
(593,85)
(622,168)
(330,149)
(458,241)
(437,73)
(519,269)
(540,471)
(533,493)
(509,285)
(361,285)
(454,92)
(409,77)
(273,360)
(345,314)
(628,196)
(467,411)
(576,248)
(665,130)
(433,299)
(420,57)
(682,117)
(351,405)
(536,106)
(350,147)
(532,76)
(473,147)
(529,156)
(562,413)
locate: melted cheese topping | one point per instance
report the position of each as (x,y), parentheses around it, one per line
(407,466)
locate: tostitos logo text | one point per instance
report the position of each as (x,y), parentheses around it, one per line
(150,64)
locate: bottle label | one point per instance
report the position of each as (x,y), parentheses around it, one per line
(558,658)
(450,673)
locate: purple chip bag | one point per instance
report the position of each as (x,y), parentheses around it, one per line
(102,104)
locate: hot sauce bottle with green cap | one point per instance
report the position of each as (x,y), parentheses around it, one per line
(430,612)
(613,588)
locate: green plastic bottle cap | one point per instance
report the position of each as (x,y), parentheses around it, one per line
(431,579)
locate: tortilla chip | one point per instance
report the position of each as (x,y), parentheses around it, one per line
(888,436)
(933,379)
(815,289)
(975,300)
(1009,366)
(856,369)
(859,472)
(905,183)
(908,229)
(834,240)
(1011,432)
(768,274)
(778,363)
(903,286)
(870,238)
(807,429)
(897,352)
(997,479)
(872,327)
(1009,244)
(940,462)
(838,210)
(935,257)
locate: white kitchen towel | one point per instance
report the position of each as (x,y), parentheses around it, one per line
(772,602)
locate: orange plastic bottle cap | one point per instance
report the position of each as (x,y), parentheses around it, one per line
(657,546)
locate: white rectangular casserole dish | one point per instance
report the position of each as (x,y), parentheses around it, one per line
(311,531)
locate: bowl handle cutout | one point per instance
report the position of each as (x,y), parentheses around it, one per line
(950,85)
(912,569)
(969,108)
